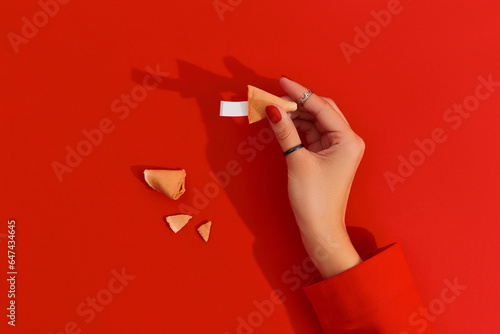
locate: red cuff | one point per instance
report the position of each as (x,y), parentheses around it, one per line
(377,296)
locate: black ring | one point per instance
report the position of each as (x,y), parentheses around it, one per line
(293,149)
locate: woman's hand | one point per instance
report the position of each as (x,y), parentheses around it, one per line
(320,175)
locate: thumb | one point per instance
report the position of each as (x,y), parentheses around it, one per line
(283,127)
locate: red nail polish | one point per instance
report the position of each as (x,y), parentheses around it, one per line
(273,114)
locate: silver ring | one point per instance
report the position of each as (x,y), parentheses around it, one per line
(303,100)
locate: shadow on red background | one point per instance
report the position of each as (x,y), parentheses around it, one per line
(259,192)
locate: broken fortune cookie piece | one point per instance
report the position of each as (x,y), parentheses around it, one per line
(169,182)
(204,230)
(177,222)
(259,99)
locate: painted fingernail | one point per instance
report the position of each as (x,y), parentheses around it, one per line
(273,114)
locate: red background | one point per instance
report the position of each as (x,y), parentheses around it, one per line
(72,234)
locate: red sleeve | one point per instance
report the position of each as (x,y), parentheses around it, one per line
(377,296)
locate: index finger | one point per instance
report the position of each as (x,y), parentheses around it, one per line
(329,119)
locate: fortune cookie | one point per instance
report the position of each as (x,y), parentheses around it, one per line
(169,182)
(204,230)
(258,100)
(177,222)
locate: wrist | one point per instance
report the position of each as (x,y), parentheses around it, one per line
(334,230)
(332,253)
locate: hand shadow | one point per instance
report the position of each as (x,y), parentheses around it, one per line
(259,192)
